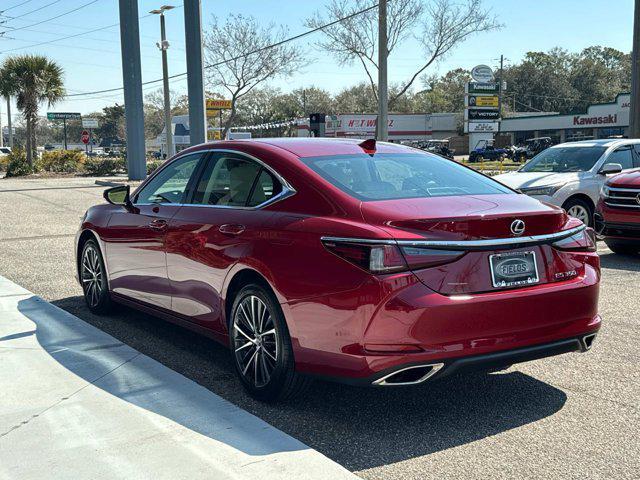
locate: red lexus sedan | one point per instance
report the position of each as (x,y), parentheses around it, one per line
(618,213)
(371,264)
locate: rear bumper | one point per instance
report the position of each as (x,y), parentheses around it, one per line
(416,326)
(487,362)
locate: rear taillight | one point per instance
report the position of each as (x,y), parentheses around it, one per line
(374,258)
(388,258)
(583,241)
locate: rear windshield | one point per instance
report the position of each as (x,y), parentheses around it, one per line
(387,176)
(564,159)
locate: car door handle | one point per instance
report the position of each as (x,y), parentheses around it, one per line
(158,224)
(231,229)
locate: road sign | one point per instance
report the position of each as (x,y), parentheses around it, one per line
(90,123)
(85,137)
(482,73)
(479,88)
(481,127)
(62,115)
(483,101)
(477,114)
(214,106)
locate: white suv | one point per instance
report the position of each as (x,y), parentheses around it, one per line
(571,175)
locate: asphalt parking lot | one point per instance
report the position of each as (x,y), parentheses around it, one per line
(574,416)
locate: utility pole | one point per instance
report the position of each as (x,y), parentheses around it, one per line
(132,81)
(9,126)
(163,45)
(634,113)
(195,72)
(383,53)
(1,132)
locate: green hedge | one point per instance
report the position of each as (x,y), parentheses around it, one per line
(61,161)
(105,166)
(17,165)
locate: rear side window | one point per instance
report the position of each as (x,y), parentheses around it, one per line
(233,181)
(623,156)
(387,176)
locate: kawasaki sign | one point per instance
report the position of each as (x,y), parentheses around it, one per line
(602,120)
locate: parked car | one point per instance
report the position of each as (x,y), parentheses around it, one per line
(4,151)
(571,175)
(485,150)
(618,215)
(439,147)
(374,264)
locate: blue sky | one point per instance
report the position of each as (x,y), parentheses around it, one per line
(92,62)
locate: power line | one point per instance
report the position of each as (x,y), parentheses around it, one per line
(258,50)
(33,11)
(16,6)
(53,18)
(68,36)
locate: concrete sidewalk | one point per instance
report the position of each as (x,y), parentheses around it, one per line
(77,403)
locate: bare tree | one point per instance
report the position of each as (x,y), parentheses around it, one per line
(443,24)
(241,54)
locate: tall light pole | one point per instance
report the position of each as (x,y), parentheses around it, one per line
(132,81)
(634,111)
(383,53)
(195,80)
(163,45)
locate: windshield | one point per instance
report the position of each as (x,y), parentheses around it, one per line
(564,159)
(406,175)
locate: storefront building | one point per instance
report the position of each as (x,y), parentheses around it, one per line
(402,127)
(601,120)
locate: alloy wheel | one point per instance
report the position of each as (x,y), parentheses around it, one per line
(92,276)
(255,341)
(579,212)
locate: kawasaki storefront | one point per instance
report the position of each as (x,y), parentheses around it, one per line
(600,121)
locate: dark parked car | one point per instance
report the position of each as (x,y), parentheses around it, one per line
(377,265)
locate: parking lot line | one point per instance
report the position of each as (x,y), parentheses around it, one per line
(78,403)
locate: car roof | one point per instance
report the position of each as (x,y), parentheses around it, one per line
(309,147)
(602,142)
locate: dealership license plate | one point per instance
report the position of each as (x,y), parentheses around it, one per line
(513,269)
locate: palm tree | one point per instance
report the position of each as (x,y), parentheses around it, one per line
(32,79)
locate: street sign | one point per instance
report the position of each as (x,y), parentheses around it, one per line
(479,88)
(481,127)
(90,123)
(215,106)
(62,115)
(483,101)
(477,114)
(482,73)
(85,137)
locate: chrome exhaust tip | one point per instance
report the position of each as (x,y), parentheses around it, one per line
(587,341)
(410,375)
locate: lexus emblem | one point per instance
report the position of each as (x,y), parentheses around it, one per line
(517,227)
(638,199)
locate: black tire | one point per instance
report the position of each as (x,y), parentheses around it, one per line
(93,277)
(622,248)
(580,205)
(263,378)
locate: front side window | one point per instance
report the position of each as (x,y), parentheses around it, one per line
(170,184)
(387,176)
(623,156)
(233,181)
(564,159)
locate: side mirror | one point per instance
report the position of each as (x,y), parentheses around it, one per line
(118,195)
(610,168)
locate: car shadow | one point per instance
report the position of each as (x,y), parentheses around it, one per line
(359,428)
(616,261)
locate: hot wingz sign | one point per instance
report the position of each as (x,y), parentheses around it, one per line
(602,120)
